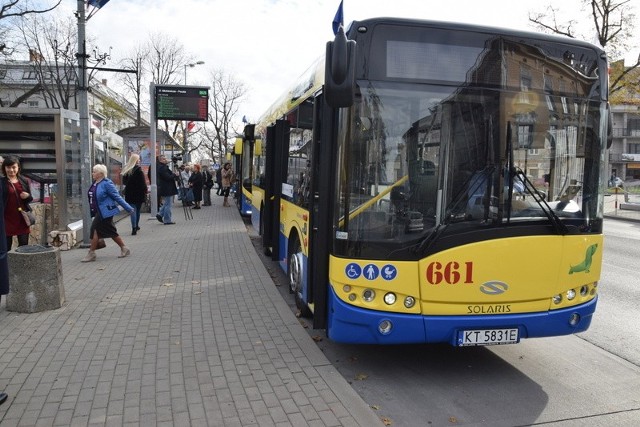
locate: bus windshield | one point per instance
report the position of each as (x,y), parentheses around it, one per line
(417,159)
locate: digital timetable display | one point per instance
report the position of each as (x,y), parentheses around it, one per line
(182,103)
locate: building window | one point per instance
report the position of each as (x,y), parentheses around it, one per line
(3,73)
(633,126)
(33,104)
(29,75)
(525,136)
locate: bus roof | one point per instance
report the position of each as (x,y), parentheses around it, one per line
(312,79)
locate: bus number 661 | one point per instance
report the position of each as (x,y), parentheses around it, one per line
(451,273)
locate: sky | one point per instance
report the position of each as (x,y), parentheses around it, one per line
(268,44)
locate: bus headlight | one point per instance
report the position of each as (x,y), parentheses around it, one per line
(557,299)
(390,298)
(368,295)
(584,290)
(409,302)
(346,289)
(571,294)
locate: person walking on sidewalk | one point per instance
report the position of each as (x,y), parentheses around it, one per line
(16,197)
(135,190)
(227,179)
(219,180)
(103,200)
(166,189)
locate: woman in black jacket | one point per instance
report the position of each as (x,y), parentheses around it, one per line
(195,183)
(135,190)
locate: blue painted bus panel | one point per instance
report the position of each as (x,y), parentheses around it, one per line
(350,324)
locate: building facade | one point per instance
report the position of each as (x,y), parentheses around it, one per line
(624,154)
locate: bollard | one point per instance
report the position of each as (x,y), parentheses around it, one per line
(35,279)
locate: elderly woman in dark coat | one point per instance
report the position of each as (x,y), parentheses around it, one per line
(195,183)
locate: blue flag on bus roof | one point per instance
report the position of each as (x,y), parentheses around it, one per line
(97,3)
(338,20)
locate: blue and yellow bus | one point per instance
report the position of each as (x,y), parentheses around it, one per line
(241,157)
(438,182)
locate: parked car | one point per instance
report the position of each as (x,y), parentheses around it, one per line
(616,182)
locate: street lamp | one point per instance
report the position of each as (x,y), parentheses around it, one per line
(186,157)
(191,66)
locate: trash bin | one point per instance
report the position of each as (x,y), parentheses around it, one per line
(35,279)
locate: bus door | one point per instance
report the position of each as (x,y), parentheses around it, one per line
(275,175)
(321,207)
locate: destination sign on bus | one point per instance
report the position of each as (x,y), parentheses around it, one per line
(182,103)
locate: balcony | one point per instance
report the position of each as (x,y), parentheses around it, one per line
(626,133)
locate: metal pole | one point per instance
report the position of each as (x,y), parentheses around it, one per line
(83,110)
(185,144)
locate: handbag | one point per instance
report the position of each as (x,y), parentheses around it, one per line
(28,216)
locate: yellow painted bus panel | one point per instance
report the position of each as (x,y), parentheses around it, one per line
(293,216)
(501,276)
(351,278)
(257,197)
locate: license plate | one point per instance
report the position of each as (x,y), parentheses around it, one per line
(488,337)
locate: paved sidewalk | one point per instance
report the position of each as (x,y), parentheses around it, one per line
(188,330)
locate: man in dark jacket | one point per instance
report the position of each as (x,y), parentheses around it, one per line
(166,189)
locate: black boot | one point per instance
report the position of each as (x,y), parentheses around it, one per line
(134,231)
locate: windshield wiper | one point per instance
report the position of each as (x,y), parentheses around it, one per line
(539,198)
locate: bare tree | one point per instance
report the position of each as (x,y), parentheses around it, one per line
(51,44)
(224,98)
(165,61)
(613,21)
(134,82)
(17,9)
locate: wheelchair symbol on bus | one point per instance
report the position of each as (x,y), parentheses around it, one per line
(353,270)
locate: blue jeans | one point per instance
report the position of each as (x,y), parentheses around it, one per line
(165,209)
(135,215)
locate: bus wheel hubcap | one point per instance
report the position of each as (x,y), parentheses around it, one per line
(295,272)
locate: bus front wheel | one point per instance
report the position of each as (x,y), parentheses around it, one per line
(296,275)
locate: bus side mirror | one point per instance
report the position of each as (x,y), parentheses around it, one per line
(339,73)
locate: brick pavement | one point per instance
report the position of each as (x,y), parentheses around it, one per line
(188,330)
